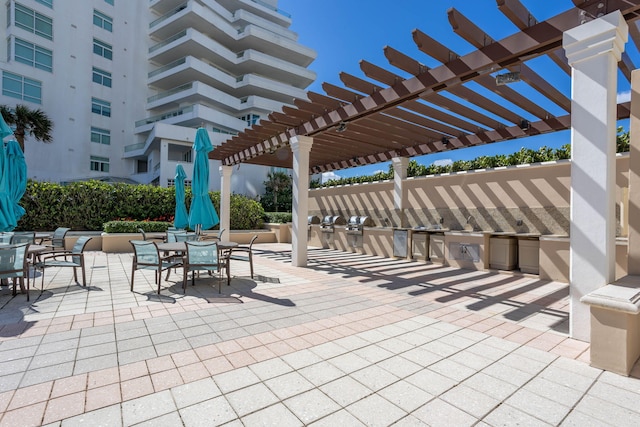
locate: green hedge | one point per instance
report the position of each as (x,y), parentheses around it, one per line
(89,205)
(278,217)
(133,226)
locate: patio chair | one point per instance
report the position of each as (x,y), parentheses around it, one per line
(14,264)
(73,258)
(244,253)
(171,234)
(23,237)
(57,240)
(148,238)
(147,257)
(185,237)
(203,256)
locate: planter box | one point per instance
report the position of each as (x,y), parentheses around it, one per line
(118,242)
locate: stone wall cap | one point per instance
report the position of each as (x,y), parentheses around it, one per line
(622,295)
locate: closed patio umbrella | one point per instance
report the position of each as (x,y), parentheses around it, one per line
(181,219)
(16,169)
(202,214)
(13,180)
(8,220)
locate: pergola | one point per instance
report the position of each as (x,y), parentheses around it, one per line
(366,122)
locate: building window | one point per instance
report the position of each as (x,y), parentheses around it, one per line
(100,136)
(98,106)
(102,49)
(101,77)
(142,166)
(172,182)
(48,3)
(99,164)
(33,55)
(250,119)
(109,1)
(17,86)
(33,22)
(103,21)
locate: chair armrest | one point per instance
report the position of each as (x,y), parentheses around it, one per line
(57,255)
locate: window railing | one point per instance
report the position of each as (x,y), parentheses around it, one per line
(168,41)
(167,67)
(170,92)
(159,117)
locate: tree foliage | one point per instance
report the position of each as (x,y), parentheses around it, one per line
(25,121)
(278,192)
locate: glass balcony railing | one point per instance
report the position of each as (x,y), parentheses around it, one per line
(170,92)
(160,117)
(275,9)
(167,67)
(168,41)
(133,147)
(168,15)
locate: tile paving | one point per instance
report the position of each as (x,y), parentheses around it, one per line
(349,340)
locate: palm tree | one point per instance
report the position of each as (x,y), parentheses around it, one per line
(277,184)
(25,120)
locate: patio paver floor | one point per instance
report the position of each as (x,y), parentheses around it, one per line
(350,340)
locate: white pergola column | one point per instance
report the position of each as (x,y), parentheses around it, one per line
(593,50)
(225,199)
(400,165)
(301,146)
(633,218)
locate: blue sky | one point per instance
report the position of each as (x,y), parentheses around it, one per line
(343,32)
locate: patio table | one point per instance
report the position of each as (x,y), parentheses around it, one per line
(181,247)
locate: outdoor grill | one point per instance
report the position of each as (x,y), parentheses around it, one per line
(356,224)
(312,219)
(329,221)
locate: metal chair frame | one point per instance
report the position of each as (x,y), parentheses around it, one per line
(146,256)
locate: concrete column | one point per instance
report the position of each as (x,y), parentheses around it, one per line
(301,146)
(225,200)
(593,50)
(400,165)
(633,216)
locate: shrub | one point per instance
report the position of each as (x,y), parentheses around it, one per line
(133,226)
(89,205)
(278,217)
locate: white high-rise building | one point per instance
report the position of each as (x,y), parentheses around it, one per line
(127,82)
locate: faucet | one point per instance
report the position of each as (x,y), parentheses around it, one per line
(468,226)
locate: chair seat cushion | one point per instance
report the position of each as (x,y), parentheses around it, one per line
(59,263)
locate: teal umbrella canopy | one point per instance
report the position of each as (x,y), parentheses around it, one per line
(8,220)
(5,130)
(16,168)
(181,219)
(202,214)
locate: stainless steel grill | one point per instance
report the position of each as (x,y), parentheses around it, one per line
(329,221)
(312,219)
(356,224)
